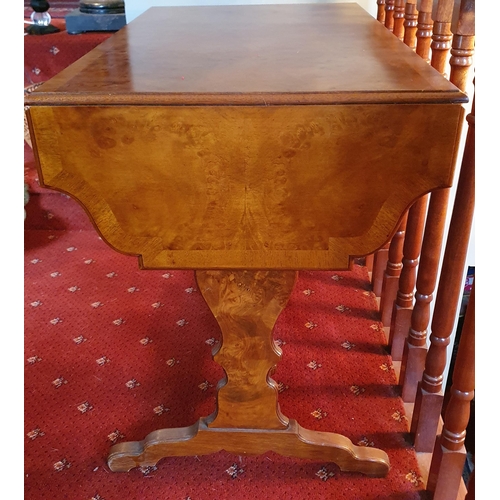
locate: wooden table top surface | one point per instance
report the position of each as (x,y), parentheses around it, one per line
(251,54)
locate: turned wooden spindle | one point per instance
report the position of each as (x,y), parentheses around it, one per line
(429,397)
(379,265)
(462,47)
(399,18)
(381,11)
(424,28)
(403,307)
(449,455)
(411,24)
(392,272)
(415,350)
(441,34)
(389,14)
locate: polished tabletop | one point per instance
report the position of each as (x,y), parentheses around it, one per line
(251,54)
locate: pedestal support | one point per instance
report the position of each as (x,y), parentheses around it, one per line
(247,419)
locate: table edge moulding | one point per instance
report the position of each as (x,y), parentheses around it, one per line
(247,143)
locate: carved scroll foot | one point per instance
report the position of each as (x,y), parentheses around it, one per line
(247,419)
(294,441)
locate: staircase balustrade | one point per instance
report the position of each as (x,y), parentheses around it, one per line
(436,31)
(402,321)
(429,395)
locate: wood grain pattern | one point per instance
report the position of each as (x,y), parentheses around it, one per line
(246,305)
(246,187)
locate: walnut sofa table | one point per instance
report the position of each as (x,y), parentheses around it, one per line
(246,143)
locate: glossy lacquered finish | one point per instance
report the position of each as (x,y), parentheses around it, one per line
(260,55)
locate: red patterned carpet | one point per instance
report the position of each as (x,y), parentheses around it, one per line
(113,353)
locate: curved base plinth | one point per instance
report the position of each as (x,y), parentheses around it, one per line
(295,441)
